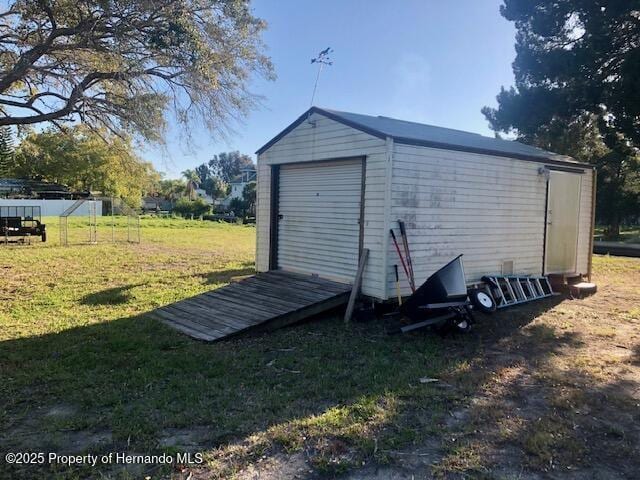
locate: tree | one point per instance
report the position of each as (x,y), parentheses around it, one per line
(618,194)
(249,197)
(84,160)
(215,187)
(193,182)
(245,206)
(171,189)
(203,172)
(211,184)
(6,151)
(120,64)
(577,62)
(227,165)
(192,208)
(573,56)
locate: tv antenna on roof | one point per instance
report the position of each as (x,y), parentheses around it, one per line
(322,59)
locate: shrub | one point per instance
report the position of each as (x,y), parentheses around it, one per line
(191,208)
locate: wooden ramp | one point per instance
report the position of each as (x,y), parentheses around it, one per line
(264,301)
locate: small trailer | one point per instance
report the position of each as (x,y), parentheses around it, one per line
(445,302)
(21,221)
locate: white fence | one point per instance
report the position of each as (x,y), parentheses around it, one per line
(52,208)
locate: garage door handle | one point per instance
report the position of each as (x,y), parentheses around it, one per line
(280,217)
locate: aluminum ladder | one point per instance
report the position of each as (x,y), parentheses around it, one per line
(508,290)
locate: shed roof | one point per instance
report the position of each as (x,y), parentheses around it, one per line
(413,133)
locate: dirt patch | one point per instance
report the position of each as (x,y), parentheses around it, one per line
(557,397)
(61,436)
(560,398)
(186,439)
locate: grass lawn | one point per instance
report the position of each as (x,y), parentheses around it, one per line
(627,234)
(83,369)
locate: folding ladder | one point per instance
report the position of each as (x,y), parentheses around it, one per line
(508,290)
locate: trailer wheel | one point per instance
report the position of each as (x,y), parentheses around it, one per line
(482,300)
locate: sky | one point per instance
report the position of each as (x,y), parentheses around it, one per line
(426,61)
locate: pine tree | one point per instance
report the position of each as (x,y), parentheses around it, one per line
(6,151)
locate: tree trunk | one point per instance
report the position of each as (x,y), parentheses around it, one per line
(613,229)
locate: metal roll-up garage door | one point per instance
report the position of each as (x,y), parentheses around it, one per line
(319,218)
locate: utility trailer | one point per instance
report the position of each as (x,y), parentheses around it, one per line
(21,221)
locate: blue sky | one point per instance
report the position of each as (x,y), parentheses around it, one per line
(421,60)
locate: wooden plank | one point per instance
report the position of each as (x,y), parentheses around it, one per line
(270,299)
(186,326)
(356,286)
(312,281)
(244,307)
(306,289)
(309,280)
(241,298)
(200,316)
(208,325)
(263,302)
(293,317)
(292,290)
(189,332)
(250,315)
(229,317)
(275,295)
(210,302)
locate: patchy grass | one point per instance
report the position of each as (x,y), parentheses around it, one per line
(562,393)
(81,360)
(83,368)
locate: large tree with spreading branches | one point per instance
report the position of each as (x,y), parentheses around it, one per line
(121,64)
(577,90)
(228,165)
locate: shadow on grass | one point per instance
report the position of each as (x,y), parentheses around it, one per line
(122,294)
(309,386)
(110,296)
(219,277)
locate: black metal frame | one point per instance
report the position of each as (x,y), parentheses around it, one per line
(432,305)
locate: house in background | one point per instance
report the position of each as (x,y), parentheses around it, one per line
(247,175)
(202,194)
(156,204)
(25,188)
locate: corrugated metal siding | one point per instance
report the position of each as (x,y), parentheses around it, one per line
(325,140)
(489,208)
(319,229)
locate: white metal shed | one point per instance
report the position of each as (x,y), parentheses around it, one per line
(333,183)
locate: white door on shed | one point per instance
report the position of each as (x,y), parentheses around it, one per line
(319,218)
(563,214)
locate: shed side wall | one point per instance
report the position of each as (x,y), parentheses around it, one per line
(328,140)
(491,209)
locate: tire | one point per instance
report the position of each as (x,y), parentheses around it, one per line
(483,301)
(44,237)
